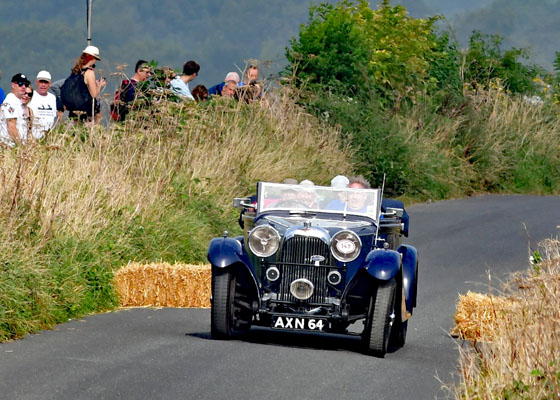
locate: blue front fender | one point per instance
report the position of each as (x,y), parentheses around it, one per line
(226,252)
(410,278)
(382,264)
(223,252)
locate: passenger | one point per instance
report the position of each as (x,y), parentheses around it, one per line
(126,94)
(180,84)
(13,125)
(44,106)
(200,93)
(87,89)
(216,90)
(357,199)
(341,182)
(361,182)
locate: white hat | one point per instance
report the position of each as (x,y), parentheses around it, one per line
(306,182)
(92,51)
(232,76)
(44,76)
(340,181)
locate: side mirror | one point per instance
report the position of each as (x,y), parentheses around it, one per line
(395,211)
(241,202)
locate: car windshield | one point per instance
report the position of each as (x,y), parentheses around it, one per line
(299,198)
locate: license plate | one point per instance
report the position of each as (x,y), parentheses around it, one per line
(299,323)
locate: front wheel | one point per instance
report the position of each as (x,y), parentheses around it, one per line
(222,313)
(380,318)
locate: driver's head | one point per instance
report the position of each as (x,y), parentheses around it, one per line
(307,195)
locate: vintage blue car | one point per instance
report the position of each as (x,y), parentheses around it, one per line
(316,259)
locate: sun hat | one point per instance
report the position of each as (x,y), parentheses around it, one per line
(92,51)
(44,76)
(306,182)
(232,76)
(340,181)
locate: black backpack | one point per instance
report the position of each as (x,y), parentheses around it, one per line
(75,94)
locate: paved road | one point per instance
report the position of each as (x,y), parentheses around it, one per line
(167,353)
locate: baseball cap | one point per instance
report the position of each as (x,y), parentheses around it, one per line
(340,181)
(92,51)
(290,181)
(20,78)
(306,182)
(44,76)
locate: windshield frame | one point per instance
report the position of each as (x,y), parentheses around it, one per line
(326,199)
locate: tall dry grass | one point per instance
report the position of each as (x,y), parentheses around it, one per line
(156,188)
(519,357)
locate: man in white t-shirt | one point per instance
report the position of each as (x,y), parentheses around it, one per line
(180,85)
(43,105)
(13,124)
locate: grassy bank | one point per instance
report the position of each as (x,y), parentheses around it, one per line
(518,356)
(156,188)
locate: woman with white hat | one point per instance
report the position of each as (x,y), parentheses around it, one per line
(89,87)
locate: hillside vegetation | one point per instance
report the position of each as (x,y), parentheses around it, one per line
(89,201)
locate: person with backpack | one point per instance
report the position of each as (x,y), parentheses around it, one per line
(81,88)
(126,94)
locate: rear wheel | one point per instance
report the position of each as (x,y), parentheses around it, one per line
(380,319)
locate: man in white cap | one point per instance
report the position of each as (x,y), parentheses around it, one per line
(43,105)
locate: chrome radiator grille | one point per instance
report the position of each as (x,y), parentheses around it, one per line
(295,263)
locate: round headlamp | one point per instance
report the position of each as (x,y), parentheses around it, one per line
(272,274)
(264,241)
(346,246)
(301,289)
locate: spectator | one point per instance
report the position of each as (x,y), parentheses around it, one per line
(249,93)
(229,89)
(127,92)
(200,93)
(44,106)
(251,75)
(55,89)
(13,127)
(217,89)
(2,94)
(87,87)
(28,113)
(180,84)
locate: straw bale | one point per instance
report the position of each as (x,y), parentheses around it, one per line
(478,316)
(164,285)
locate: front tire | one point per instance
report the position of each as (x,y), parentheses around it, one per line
(399,328)
(380,319)
(222,312)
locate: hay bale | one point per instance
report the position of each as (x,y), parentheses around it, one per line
(164,285)
(478,316)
